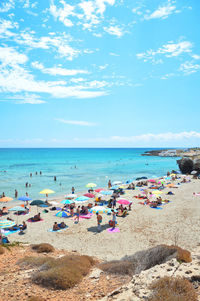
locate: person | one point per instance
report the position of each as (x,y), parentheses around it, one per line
(55,178)
(30,174)
(3,195)
(26,184)
(114,202)
(62,225)
(36,173)
(109,184)
(23,227)
(27,194)
(16,193)
(56,227)
(73,190)
(113,218)
(36,218)
(78,214)
(99,221)
(72,210)
(40,173)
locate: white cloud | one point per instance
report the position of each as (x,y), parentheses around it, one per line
(189,67)
(163,136)
(195,56)
(62,14)
(162,12)
(59,43)
(5,25)
(6,6)
(168,50)
(58,70)
(9,56)
(114,30)
(27,98)
(74,122)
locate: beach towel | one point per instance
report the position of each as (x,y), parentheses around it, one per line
(30,220)
(111,230)
(159,208)
(6,233)
(86,216)
(51,230)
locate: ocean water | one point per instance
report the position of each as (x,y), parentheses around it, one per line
(74,167)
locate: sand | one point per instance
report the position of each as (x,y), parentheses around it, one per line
(178,222)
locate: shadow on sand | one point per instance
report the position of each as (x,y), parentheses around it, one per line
(95,230)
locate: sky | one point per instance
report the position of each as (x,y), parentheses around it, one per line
(99,73)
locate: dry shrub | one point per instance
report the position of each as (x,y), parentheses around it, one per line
(146,259)
(117,267)
(182,255)
(35,298)
(61,273)
(43,248)
(173,289)
(2,251)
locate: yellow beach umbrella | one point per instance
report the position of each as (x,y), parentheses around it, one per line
(157,192)
(91,185)
(47,191)
(172,175)
(5,199)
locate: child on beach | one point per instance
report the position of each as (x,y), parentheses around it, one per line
(99,221)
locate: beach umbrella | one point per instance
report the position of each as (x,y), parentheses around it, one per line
(47,191)
(4,223)
(71,196)
(170,185)
(157,192)
(82,199)
(193,172)
(99,189)
(17,208)
(117,183)
(89,195)
(91,185)
(114,187)
(24,198)
(37,203)
(5,199)
(99,209)
(172,175)
(63,214)
(124,202)
(152,180)
(109,210)
(65,202)
(106,192)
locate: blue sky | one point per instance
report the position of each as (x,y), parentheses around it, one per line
(99,73)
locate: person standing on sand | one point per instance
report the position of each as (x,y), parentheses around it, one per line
(78,214)
(99,221)
(109,184)
(113,218)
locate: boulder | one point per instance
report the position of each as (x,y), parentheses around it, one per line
(196,165)
(186,165)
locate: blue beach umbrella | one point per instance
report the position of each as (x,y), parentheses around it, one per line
(67,202)
(114,187)
(17,208)
(24,198)
(82,199)
(106,192)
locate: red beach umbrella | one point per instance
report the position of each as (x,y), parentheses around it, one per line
(99,189)
(89,195)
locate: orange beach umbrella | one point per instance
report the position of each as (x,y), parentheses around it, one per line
(5,199)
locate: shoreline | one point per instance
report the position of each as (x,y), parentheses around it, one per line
(144,227)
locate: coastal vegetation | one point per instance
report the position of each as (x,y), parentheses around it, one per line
(172,289)
(43,248)
(61,273)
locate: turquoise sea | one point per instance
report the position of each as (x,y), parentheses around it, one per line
(74,167)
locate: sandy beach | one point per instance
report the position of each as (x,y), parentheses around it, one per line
(178,222)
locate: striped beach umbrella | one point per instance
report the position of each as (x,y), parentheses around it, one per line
(4,223)
(89,195)
(63,214)
(17,208)
(99,209)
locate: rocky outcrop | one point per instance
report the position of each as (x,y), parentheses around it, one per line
(186,165)
(138,289)
(196,166)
